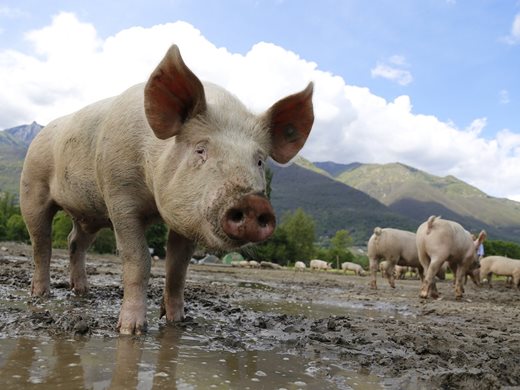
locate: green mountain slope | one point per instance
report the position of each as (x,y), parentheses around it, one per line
(13,147)
(332,204)
(418,195)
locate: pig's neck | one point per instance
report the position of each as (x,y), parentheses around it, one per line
(159,161)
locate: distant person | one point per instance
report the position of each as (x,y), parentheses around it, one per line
(480,250)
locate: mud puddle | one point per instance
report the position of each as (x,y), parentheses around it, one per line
(166,359)
(252,329)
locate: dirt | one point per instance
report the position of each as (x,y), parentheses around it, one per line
(408,342)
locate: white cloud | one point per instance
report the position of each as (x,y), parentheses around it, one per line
(394,71)
(504,96)
(72,66)
(514,36)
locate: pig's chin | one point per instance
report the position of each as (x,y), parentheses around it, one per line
(219,241)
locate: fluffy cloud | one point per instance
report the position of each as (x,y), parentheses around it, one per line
(514,36)
(395,70)
(72,66)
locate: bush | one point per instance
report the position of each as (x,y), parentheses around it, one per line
(16,230)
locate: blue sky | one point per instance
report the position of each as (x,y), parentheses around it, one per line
(431,83)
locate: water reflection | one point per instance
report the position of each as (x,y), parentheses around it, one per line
(167,358)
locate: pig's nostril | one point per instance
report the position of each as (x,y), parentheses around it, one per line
(264,220)
(236,215)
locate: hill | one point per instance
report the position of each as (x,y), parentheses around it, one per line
(332,204)
(417,195)
(356,196)
(13,147)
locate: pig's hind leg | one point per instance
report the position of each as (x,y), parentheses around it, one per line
(79,241)
(429,286)
(38,210)
(178,255)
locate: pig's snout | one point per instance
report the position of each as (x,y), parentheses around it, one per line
(251,219)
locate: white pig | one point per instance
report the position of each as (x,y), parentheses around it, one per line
(173,149)
(394,246)
(299,266)
(319,265)
(440,240)
(356,268)
(502,266)
(254,264)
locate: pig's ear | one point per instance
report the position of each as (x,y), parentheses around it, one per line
(172,95)
(290,121)
(481,237)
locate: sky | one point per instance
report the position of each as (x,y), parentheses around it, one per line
(434,84)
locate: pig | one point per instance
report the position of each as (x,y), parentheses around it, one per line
(502,266)
(394,246)
(382,267)
(254,264)
(440,241)
(299,266)
(173,149)
(319,265)
(270,265)
(349,266)
(400,271)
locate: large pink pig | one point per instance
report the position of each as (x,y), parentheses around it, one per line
(174,149)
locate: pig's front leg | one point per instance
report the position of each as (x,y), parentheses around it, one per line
(136,272)
(178,254)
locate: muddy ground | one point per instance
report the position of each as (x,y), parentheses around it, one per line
(409,343)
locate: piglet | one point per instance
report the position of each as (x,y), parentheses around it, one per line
(173,149)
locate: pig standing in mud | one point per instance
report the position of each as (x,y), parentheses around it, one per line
(356,268)
(299,266)
(440,240)
(173,149)
(394,246)
(319,265)
(502,266)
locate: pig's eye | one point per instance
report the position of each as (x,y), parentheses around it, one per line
(201,152)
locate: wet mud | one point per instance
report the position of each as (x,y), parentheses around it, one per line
(333,320)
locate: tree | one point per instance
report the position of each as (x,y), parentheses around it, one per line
(156,238)
(339,249)
(300,230)
(61,227)
(292,240)
(16,230)
(105,242)
(8,208)
(502,248)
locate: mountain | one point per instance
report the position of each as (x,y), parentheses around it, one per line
(356,197)
(332,204)
(335,169)
(417,195)
(14,143)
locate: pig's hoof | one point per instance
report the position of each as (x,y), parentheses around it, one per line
(39,291)
(174,310)
(131,329)
(132,319)
(80,291)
